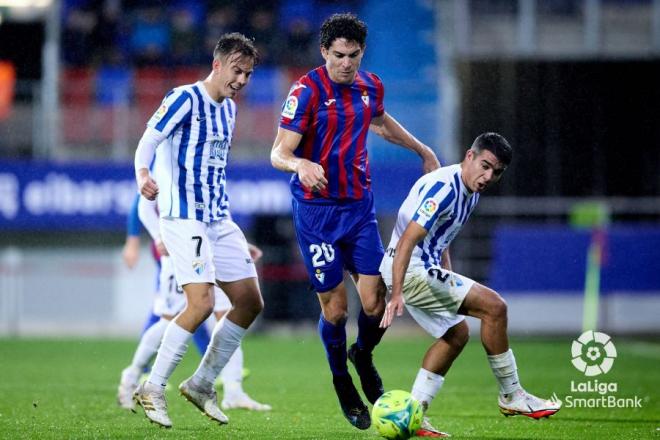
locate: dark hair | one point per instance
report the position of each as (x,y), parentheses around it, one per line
(346,26)
(235,42)
(496,144)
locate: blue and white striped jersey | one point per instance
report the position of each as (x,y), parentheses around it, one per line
(441,204)
(191,161)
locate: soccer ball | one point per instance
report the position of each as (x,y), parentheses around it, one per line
(397,415)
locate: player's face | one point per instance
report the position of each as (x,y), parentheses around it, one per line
(481,170)
(342,59)
(232,74)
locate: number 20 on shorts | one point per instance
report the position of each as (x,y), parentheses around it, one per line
(321,254)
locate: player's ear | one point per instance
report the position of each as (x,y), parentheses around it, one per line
(324,53)
(217,64)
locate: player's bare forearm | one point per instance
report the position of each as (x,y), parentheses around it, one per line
(311,174)
(392,131)
(281,155)
(400,265)
(445,261)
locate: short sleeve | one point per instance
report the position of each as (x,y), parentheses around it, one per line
(433,203)
(380,95)
(176,107)
(297,109)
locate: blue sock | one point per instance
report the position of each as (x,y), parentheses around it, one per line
(201,338)
(151,320)
(369,332)
(334,341)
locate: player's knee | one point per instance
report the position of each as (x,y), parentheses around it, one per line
(335,313)
(257,305)
(251,304)
(498,308)
(458,336)
(375,308)
(201,307)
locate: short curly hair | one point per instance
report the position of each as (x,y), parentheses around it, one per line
(235,42)
(346,26)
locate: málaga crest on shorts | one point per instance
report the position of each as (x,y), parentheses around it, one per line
(198,267)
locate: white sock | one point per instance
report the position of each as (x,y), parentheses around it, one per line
(505,371)
(426,386)
(170,353)
(232,374)
(225,340)
(148,346)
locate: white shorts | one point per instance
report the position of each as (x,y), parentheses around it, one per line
(432,296)
(171,300)
(206,252)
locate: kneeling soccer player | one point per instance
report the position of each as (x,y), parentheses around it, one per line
(417,270)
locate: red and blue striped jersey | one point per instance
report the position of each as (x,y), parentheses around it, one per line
(334,121)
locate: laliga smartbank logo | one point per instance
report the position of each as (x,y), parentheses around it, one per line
(593,354)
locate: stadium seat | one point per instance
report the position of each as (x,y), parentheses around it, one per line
(151,85)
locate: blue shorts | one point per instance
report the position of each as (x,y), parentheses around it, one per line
(337,236)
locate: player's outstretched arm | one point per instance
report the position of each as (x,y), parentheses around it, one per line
(389,129)
(311,174)
(413,234)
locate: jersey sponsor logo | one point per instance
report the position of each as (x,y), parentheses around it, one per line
(428,208)
(160,112)
(290,107)
(329,102)
(218,152)
(365,98)
(319,275)
(198,267)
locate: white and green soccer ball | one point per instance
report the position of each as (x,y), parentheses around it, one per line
(397,415)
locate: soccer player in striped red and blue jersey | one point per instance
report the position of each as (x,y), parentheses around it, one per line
(192,132)
(322,139)
(417,270)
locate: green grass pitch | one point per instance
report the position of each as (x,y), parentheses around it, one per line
(66,389)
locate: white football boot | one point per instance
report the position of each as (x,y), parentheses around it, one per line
(428,430)
(205,400)
(152,399)
(522,403)
(127,386)
(243,401)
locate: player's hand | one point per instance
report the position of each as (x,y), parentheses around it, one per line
(311,175)
(255,252)
(394,308)
(430,161)
(131,251)
(148,186)
(160,247)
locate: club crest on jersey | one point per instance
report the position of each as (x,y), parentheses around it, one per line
(290,107)
(160,112)
(319,276)
(198,267)
(428,208)
(365,98)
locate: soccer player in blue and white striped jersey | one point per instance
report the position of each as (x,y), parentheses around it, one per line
(417,271)
(191,133)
